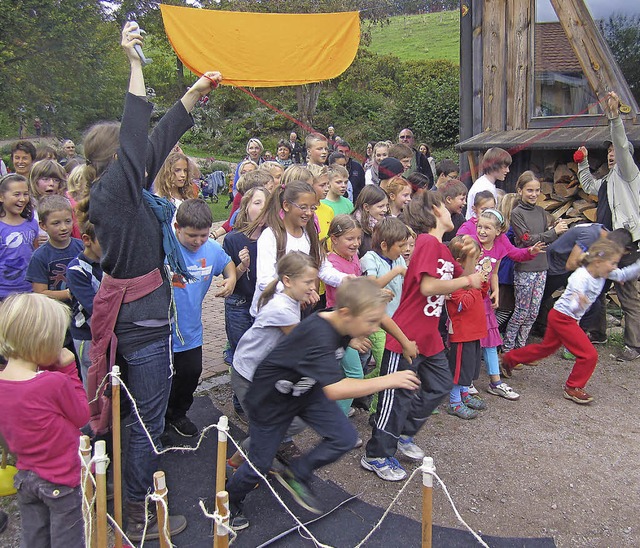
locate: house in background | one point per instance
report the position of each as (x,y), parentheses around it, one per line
(532,73)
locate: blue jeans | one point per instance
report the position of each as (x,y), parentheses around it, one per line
(148,373)
(336,433)
(51,514)
(237,321)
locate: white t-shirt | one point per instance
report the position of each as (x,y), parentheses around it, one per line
(265,333)
(482,183)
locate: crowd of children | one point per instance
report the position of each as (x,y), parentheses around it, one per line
(387,302)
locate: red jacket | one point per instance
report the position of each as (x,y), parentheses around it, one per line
(467,315)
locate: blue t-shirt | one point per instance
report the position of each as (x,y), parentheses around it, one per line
(16,248)
(49,264)
(206,263)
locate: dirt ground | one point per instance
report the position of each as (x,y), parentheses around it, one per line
(539,466)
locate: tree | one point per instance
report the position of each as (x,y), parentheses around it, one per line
(622,33)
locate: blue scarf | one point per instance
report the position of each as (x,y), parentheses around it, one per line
(164,210)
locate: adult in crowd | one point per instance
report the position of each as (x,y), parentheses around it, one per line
(419,162)
(23,154)
(619,207)
(355,169)
(70,154)
(254,153)
(283,154)
(297,149)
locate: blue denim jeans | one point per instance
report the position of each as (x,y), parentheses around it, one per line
(337,436)
(148,374)
(51,514)
(237,320)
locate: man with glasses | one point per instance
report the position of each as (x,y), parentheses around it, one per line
(69,149)
(419,161)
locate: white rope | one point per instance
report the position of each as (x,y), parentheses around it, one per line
(300,525)
(222,523)
(155,498)
(446,492)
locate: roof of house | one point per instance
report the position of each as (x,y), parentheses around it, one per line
(559,138)
(553,52)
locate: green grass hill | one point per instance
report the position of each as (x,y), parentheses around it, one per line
(429,36)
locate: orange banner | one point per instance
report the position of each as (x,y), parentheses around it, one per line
(263,49)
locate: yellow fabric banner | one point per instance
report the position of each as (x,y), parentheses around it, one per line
(263,49)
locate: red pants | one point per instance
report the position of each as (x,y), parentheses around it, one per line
(561,330)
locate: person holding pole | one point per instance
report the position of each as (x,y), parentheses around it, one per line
(43,405)
(132,307)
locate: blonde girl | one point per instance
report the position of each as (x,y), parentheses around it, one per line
(297,172)
(583,288)
(275,170)
(18,234)
(380,152)
(174,179)
(372,205)
(234,198)
(42,407)
(531,224)
(399,191)
(242,248)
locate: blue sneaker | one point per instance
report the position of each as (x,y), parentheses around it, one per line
(388,469)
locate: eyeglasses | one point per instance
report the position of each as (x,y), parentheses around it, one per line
(305,208)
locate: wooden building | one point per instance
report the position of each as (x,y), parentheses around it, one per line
(533,88)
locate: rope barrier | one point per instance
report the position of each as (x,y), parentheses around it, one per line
(218,518)
(220,521)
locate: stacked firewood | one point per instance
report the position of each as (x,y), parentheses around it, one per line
(563,198)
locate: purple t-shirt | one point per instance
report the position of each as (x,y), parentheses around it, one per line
(17,244)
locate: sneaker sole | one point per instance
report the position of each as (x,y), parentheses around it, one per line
(183,434)
(295,495)
(576,400)
(239,527)
(373,469)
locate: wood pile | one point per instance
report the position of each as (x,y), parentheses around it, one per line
(563,198)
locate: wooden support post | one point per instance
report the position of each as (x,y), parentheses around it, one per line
(160,485)
(473,168)
(427,501)
(117,452)
(221,462)
(88,509)
(100,452)
(221,537)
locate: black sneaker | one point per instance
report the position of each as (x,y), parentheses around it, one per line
(300,491)
(597,338)
(238,521)
(184,427)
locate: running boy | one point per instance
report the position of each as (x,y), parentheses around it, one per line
(432,274)
(299,378)
(204,259)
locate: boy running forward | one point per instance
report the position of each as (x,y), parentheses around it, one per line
(204,259)
(300,378)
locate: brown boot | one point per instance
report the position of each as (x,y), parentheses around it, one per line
(136,521)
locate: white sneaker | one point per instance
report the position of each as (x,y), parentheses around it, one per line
(409,449)
(473,391)
(388,469)
(503,390)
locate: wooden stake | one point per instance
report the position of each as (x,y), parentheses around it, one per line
(117,452)
(100,452)
(221,537)
(221,462)
(85,477)
(473,168)
(160,485)
(427,501)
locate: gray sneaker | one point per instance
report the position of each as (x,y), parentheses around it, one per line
(388,469)
(628,354)
(409,449)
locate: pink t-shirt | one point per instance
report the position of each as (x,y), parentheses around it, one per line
(502,247)
(41,419)
(418,316)
(343,265)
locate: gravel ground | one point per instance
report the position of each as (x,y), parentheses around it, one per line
(539,466)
